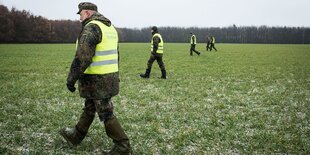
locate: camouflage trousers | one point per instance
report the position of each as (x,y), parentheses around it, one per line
(158,58)
(104,109)
(212,46)
(193,49)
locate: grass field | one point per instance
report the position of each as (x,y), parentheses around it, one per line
(243,99)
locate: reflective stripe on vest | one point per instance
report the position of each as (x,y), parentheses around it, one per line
(160,45)
(105,60)
(193,36)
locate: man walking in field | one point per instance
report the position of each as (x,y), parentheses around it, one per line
(95,67)
(212,43)
(157,51)
(193,42)
(208,43)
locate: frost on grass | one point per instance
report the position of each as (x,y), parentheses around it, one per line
(148,88)
(243,100)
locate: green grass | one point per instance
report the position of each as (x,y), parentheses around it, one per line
(243,99)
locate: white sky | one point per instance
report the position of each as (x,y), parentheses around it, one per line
(181,13)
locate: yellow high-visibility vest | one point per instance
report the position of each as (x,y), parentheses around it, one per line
(105,60)
(213,40)
(160,45)
(195,42)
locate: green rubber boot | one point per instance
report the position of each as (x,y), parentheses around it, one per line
(121,142)
(72,136)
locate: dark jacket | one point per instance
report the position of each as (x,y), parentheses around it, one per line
(91,86)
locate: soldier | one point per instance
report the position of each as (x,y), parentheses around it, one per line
(157,50)
(208,43)
(95,67)
(193,42)
(212,43)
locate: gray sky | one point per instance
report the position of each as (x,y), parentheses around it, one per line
(181,13)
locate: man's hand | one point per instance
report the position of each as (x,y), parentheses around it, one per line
(71,87)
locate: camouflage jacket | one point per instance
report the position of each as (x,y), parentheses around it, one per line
(91,86)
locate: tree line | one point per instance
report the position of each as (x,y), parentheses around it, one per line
(23,27)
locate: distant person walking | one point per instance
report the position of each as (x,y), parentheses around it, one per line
(157,51)
(95,68)
(208,43)
(193,42)
(212,43)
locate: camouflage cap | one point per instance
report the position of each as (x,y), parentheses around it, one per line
(87,6)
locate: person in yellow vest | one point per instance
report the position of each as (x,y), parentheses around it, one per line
(212,43)
(157,51)
(193,42)
(95,67)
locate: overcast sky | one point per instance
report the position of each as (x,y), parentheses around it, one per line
(181,13)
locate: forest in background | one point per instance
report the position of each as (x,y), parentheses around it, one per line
(24,27)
